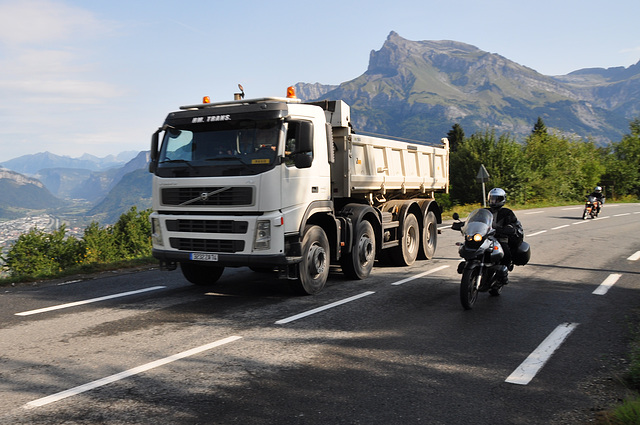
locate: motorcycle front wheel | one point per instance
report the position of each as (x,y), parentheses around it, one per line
(469,287)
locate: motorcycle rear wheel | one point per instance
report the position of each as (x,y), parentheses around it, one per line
(469,287)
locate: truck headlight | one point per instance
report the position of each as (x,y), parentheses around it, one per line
(262,238)
(156,232)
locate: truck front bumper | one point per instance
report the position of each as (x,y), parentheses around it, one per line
(233,260)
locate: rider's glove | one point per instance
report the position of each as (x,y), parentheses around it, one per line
(506,231)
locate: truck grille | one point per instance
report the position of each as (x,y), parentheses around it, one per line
(207,196)
(206,245)
(207,226)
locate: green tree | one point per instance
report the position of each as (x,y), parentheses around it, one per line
(455,136)
(40,254)
(623,162)
(132,234)
(539,128)
(100,245)
(502,157)
(562,169)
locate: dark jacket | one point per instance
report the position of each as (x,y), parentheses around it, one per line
(598,195)
(508,227)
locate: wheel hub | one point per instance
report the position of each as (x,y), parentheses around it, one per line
(316,259)
(365,248)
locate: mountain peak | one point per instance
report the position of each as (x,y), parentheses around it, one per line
(419,89)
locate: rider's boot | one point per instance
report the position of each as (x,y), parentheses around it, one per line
(503,275)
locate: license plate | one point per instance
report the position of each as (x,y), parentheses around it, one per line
(200,256)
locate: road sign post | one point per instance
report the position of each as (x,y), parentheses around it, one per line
(483,177)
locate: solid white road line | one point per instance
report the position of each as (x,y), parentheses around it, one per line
(323,308)
(534,212)
(560,227)
(635,257)
(93,300)
(607,284)
(437,269)
(127,373)
(539,357)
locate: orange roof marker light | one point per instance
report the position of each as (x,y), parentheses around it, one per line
(291,92)
(206,99)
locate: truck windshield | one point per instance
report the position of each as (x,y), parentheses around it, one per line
(248,147)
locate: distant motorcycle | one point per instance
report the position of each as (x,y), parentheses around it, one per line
(590,207)
(482,253)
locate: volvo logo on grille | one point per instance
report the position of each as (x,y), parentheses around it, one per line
(204,196)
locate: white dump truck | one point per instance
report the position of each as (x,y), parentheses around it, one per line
(275,184)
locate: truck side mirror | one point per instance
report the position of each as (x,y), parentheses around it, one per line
(304,137)
(153,155)
(303,160)
(303,155)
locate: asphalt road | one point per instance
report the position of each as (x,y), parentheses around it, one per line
(396,348)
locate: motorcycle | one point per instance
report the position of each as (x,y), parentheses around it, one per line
(482,252)
(590,207)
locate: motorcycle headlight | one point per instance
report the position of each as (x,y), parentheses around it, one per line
(474,241)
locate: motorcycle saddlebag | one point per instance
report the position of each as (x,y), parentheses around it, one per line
(522,254)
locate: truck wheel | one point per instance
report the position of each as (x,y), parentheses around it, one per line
(406,253)
(201,275)
(359,262)
(429,236)
(314,268)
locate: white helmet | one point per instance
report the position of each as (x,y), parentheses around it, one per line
(496,198)
(598,189)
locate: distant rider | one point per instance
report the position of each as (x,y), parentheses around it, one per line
(508,228)
(597,193)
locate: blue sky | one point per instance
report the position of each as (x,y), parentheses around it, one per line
(99,76)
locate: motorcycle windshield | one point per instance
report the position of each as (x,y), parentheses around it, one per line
(479,221)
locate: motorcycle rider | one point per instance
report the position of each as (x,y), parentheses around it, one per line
(509,230)
(597,193)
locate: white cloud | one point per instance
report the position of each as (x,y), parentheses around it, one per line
(61,91)
(42,60)
(43,21)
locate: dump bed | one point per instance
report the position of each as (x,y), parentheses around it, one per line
(378,166)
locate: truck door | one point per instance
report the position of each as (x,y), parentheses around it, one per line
(305,174)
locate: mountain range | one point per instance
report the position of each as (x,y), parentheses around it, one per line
(419,89)
(88,194)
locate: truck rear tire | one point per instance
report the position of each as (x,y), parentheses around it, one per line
(201,275)
(359,262)
(429,236)
(406,253)
(314,268)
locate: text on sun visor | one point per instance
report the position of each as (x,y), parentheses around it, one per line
(211,118)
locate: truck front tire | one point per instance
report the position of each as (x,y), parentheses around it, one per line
(359,262)
(314,268)
(201,275)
